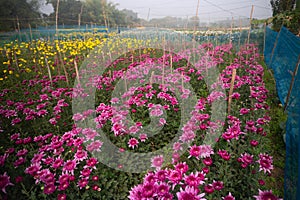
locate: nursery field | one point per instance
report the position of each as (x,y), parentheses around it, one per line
(138,116)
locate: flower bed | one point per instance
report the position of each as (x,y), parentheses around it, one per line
(49,151)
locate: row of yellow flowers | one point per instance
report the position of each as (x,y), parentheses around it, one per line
(22,55)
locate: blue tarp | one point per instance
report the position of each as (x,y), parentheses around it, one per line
(282,54)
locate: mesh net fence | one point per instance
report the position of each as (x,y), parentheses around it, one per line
(282,55)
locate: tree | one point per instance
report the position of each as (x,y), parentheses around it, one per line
(280,6)
(68,11)
(16,14)
(285,14)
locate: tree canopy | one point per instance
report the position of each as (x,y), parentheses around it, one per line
(14,13)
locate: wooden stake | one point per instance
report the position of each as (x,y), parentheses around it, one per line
(18,24)
(48,68)
(56,18)
(231,30)
(79,16)
(251,14)
(265,30)
(30,32)
(231,90)
(292,83)
(274,47)
(63,66)
(125,82)
(196,17)
(17,63)
(76,70)
(151,78)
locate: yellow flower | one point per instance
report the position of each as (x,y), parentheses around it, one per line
(10,72)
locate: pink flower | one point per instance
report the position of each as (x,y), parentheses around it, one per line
(189,193)
(174,176)
(162,121)
(57,163)
(246,159)
(94,146)
(4,182)
(49,189)
(265,163)
(193,180)
(80,155)
(82,183)
(91,162)
(19,179)
(22,152)
(143,137)
(224,154)
(61,197)
(266,195)
(182,167)
(33,169)
(244,111)
(148,190)
(89,133)
(177,146)
(47,178)
(209,189)
(133,143)
(157,161)
(69,166)
(229,197)
(85,172)
(163,189)
(77,117)
(218,185)
(208,161)
(63,178)
(254,143)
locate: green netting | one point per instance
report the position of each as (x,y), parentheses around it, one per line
(282,54)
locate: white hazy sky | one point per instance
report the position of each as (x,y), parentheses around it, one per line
(209,10)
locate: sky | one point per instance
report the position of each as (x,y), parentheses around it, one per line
(209,10)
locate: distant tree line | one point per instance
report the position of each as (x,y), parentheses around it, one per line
(18,14)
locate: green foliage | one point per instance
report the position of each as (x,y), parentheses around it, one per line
(275,142)
(289,19)
(89,11)
(280,6)
(25,11)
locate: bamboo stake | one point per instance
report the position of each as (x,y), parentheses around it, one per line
(292,83)
(63,66)
(125,81)
(56,18)
(231,90)
(230,42)
(30,32)
(265,30)
(240,22)
(274,47)
(16,59)
(76,70)
(48,68)
(151,78)
(18,24)
(251,14)
(57,61)
(79,16)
